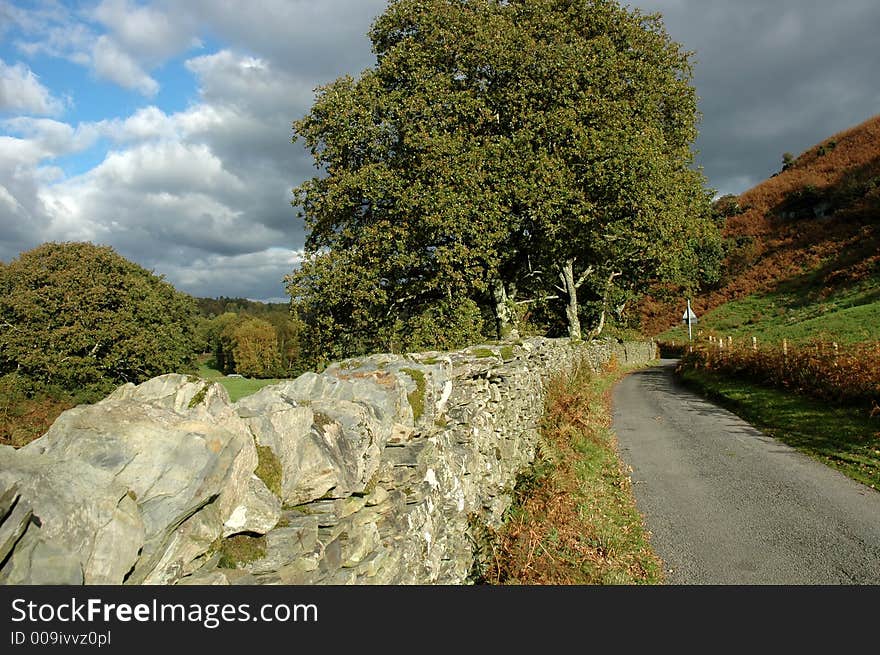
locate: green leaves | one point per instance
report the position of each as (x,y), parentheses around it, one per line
(490,139)
(78,315)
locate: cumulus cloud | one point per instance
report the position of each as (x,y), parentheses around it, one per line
(243,274)
(202,194)
(147,32)
(320,39)
(51,138)
(112,63)
(21,91)
(119,40)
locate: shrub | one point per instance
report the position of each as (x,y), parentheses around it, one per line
(846,375)
(80,316)
(443,325)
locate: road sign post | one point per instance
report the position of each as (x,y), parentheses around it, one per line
(691,319)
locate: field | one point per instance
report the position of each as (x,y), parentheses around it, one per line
(236,387)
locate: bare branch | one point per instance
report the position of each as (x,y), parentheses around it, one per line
(529,302)
(583,278)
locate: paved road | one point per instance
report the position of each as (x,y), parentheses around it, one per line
(728,505)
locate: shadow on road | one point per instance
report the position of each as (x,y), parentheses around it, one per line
(661,380)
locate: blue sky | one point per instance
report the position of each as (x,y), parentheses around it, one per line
(163,128)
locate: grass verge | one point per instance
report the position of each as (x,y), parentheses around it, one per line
(574,520)
(842,437)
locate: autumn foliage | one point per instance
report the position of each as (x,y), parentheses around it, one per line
(821,213)
(845,375)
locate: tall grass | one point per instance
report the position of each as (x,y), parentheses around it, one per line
(575,520)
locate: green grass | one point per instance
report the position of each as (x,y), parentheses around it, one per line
(843,438)
(801,309)
(575,520)
(484,353)
(237,388)
(239,549)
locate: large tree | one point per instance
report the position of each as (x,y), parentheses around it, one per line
(77,315)
(495,147)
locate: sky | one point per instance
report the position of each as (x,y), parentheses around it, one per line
(163,128)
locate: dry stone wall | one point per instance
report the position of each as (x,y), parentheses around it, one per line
(380,470)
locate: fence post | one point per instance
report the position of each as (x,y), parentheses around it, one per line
(755,344)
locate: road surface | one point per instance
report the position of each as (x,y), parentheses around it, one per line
(728,505)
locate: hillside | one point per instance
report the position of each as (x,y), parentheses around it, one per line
(803,250)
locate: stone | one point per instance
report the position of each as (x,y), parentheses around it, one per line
(140,487)
(330,446)
(73,516)
(217,577)
(285,546)
(258,511)
(171,449)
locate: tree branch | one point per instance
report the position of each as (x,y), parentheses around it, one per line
(529,302)
(583,278)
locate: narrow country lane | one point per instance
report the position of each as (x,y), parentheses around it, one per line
(728,505)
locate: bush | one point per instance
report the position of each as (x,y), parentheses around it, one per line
(443,325)
(82,317)
(845,375)
(254,348)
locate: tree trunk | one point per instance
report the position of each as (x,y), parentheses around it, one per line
(504,322)
(598,330)
(571,308)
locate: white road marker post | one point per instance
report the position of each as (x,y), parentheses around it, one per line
(691,319)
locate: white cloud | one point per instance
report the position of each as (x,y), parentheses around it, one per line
(112,63)
(8,200)
(146,32)
(167,167)
(21,91)
(146,123)
(255,275)
(53,138)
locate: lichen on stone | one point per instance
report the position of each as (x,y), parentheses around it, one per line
(268,468)
(199,397)
(239,549)
(416,398)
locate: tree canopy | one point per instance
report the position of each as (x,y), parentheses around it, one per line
(77,315)
(500,148)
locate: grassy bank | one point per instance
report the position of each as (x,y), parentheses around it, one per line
(844,438)
(574,520)
(800,310)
